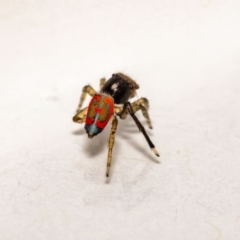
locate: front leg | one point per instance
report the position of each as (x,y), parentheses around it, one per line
(140,104)
(130,110)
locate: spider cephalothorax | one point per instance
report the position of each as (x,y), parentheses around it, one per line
(120,87)
(111,102)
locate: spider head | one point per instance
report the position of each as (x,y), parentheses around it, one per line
(120,87)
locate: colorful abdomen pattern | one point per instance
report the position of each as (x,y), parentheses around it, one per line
(100,110)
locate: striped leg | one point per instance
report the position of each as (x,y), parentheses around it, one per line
(102,81)
(142,104)
(80,116)
(86,90)
(111,143)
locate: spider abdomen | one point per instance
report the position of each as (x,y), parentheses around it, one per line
(100,110)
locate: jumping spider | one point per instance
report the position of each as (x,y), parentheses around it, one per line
(111,102)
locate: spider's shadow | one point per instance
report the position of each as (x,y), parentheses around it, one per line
(126,130)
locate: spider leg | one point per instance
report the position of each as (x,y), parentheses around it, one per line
(118,111)
(80,116)
(111,143)
(86,90)
(142,104)
(129,107)
(102,81)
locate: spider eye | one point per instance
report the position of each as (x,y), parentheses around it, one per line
(131,86)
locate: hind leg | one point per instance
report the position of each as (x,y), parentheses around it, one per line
(111,143)
(86,90)
(80,116)
(102,81)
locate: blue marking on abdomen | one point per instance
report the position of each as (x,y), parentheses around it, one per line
(93,128)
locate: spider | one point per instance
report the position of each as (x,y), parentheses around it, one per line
(111,102)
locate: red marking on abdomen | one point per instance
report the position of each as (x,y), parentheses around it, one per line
(103,106)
